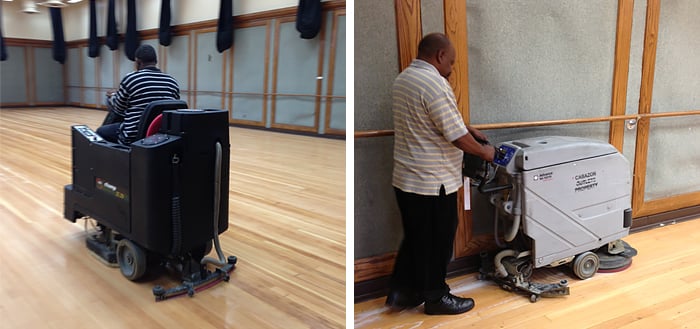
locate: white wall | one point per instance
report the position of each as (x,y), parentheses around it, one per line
(76,17)
(16,24)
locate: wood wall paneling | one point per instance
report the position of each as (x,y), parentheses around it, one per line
(209,68)
(336,81)
(249,74)
(225,86)
(81,71)
(291,107)
(623,41)
(90,71)
(456,30)
(48,78)
(14,92)
(408,29)
(31,75)
(229,90)
(104,75)
(651,33)
(190,69)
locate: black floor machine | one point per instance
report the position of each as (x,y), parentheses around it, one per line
(557,200)
(161,201)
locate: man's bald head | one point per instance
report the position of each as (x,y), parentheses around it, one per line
(436,49)
(431,44)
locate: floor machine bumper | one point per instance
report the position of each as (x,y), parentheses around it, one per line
(561,200)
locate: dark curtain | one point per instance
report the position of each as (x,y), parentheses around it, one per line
(3,50)
(93,43)
(224,29)
(164,32)
(309,18)
(59,42)
(112,39)
(132,36)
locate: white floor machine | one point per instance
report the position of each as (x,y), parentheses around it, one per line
(558,200)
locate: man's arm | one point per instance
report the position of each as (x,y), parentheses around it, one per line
(118,100)
(468,144)
(477,134)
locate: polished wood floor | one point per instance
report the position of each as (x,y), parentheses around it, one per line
(287,228)
(661,289)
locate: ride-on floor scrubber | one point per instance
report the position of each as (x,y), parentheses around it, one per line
(160,201)
(560,200)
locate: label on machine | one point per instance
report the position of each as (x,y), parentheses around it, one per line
(90,134)
(504,154)
(105,186)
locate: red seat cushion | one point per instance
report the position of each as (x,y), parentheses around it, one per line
(154,127)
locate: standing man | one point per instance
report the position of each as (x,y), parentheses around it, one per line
(429,141)
(136,91)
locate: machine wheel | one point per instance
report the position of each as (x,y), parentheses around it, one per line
(534,298)
(585,265)
(159,291)
(131,259)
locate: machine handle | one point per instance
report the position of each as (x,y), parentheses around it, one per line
(491,188)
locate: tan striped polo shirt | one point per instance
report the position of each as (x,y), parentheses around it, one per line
(426,122)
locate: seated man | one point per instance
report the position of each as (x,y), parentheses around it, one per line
(136,91)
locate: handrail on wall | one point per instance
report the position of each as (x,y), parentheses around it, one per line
(488,126)
(212,92)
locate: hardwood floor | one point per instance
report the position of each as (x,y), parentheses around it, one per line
(287,228)
(660,290)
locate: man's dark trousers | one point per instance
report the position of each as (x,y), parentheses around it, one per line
(429,225)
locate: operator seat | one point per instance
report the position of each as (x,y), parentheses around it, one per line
(150,119)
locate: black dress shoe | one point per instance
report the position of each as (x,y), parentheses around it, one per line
(449,304)
(401,300)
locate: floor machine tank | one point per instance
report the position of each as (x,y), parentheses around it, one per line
(561,200)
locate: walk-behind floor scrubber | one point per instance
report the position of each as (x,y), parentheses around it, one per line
(557,200)
(161,201)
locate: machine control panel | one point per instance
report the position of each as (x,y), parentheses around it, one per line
(155,139)
(504,153)
(90,134)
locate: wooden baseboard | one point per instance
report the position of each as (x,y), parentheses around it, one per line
(379,286)
(372,273)
(652,221)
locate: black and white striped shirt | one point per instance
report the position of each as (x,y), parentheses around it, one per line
(136,91)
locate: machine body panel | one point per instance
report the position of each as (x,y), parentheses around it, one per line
(574,193)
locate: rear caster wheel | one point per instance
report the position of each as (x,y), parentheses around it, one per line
(158,291)
(534,298)
(585,265)
(131,259)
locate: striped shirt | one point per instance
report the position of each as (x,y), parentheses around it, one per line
(426,122)
(136,91)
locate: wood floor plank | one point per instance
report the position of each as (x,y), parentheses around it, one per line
(286,226)
(660,290)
